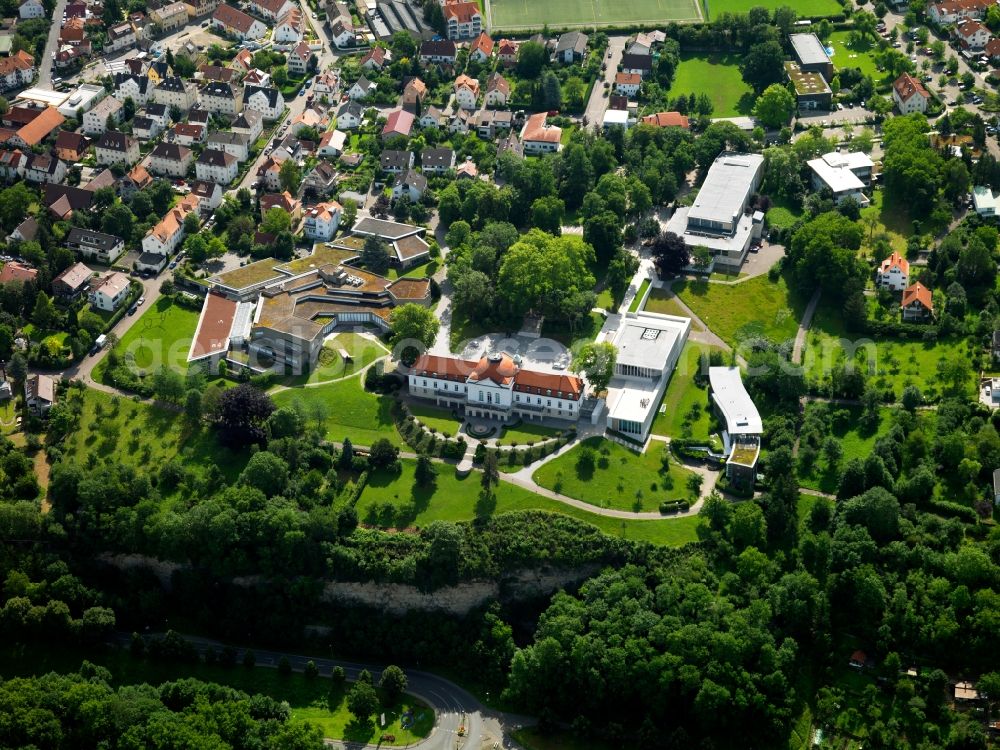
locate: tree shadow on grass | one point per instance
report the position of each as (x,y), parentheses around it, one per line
(358,731)
(697,287)
(745,105)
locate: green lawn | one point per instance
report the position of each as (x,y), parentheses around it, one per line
(719,77)
(310,700)
(637,300)
(427,269)
(859,55)
(331,365)
(123,431)
(881,218)
(512,15)
(346,409)
(804,8)
(758,307)
(605,300)
(526,432)
(897,362)
(392,500)
(854,443)
(666,303)
(617,476)
(782,215)
(161,336)
(531,738)
(686,409)
(436,418)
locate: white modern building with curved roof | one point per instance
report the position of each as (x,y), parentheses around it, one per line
(744,427)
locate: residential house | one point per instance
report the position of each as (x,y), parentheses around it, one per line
(158,112)
(628,84)
(909,94)
(235,144)
(15,272)
(267,101)
(16,70)
(321,180)
(170,159)
(39,393)
(157,70)
(972,35)
(174,91)
(121,36)
(26,231)
(72,32)
(272,10)
(375,59)
(953,11)
(332,144)
(168,17)
(463,20)
(845,174)
(467,170)
(395,162)
(917,305)
(116,148)
(322,220)
(217,166)
(398,123)
(187,133)
(269,173)
(460,120)
(96,120)
(298,59)
(667,120)
(110,291)
(250,124)
(437,160)
(236,23)
(42,124)
(641,65)
(433,118)
(571,47)
(29,9)
(538,137)
(137,179)
(439,51)
(97,246)
(350,115)
(361,89)
(411,184)
(12,164)
(290,28)
(243,61)
(70,146)
(135,87)
(217,73)
(481,48)
(309,118)
(44,168)
(146,128)
(222,98)
(497,91)
(72,281)
(257,77)
(200,8)
(490,122)
(167,235)
(507,52)
(327,84)
(209,195)
(466,92)
(283,200)
(894,273)
(342,35)
(413,95)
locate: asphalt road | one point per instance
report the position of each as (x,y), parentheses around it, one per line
(455,707)
(51,45)
(597,105)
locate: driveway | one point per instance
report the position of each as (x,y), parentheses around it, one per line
(598,103)
(51,46)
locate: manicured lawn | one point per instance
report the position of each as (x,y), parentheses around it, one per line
(310,699)
(392,500)
(719,77)
(886,218)
(758,307)
(894,363)
(687,412)
(161,336)
(805,8)
(859,55)
(637,300)
(123,431)
(854,443)
(605,301)
(617,476)
(436,418)
(511,15)
(585,330)
(346,409)
(331,365)
(783,215)
(526,432)
(417,272)
(665,303)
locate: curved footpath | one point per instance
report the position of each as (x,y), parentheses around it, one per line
(453,706)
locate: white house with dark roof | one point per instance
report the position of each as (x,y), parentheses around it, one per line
(267,101)
(134,87)
(95,121)
(571,47)
(170,159)
(250,124)
(97,246)
(437,160)
(174,91)
(361,88)
(221,98)
(217,166)
(116,148)
(235,144)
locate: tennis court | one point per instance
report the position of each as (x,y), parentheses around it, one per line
(516,15)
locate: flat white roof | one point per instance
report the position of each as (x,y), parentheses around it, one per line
(43,96)
(84,97)
(635,400)
(809,49)
(838,179)
(616,117)
(848,160)
(738,409)
(725,243)
(647,341)
(726,188)
(985,199)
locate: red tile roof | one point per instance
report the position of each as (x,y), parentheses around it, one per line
(443,368)
(15,271)
(667,119)
(918,293)
(214,326)
(906,86)
(895,260)
(461,11)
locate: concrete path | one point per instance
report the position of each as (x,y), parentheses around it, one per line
(800,336)
(703,336)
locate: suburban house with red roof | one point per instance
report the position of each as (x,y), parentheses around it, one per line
(537,137)
(462,20)
(909,94)
(481,48)
(667,120)
(917,305)
(894,273)
(399,122)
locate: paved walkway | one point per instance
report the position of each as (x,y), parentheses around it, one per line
(800,336)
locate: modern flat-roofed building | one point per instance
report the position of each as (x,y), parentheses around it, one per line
(812,55)
(649,346)
(718,219)
(741,437)
(812,92)
(845,174)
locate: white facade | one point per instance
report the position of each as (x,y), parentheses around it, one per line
(466,96)
(268,102)
(31,9)
(321,221)
(95,122)
(171,165)
(894,274)
(131,88)
(175,93)
(217,166)
(111,292)
(222,99)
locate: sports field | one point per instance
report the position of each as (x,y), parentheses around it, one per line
(514,15)
(804,8)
